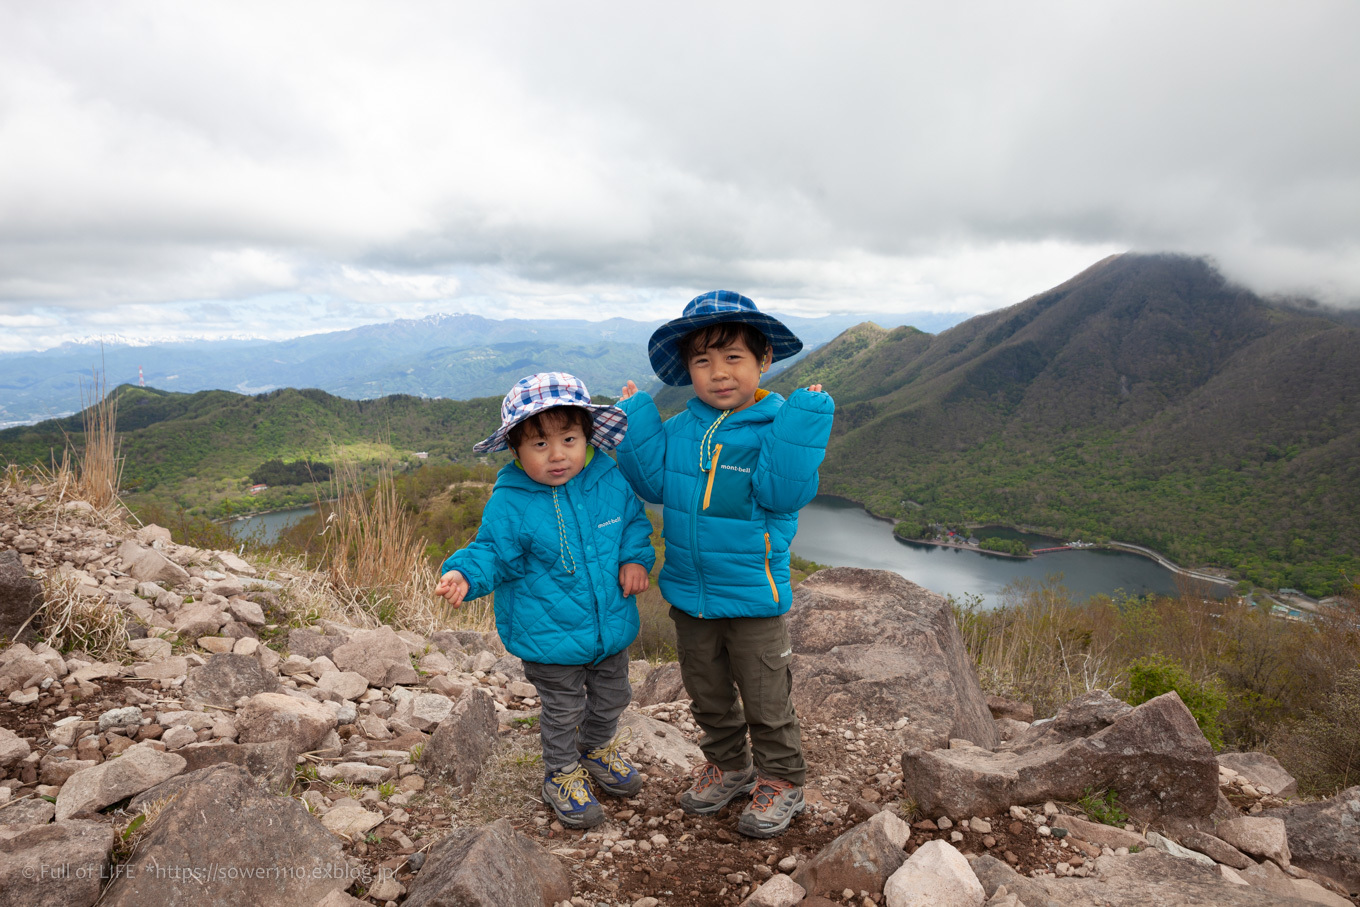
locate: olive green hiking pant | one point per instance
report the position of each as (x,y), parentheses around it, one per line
(736,670)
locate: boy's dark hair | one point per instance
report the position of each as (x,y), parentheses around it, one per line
(555,418)
(723,334)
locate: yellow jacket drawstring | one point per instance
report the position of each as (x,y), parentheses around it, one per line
(562,547)
(706,443)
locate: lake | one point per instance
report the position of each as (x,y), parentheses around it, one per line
(837,532)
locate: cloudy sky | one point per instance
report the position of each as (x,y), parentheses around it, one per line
(275,168)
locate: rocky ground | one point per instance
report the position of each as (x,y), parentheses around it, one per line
(208,729)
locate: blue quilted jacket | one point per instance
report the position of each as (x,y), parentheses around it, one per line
(544,613)
(730,486)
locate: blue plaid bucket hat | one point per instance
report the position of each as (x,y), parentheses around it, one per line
(545,390)
(712,308)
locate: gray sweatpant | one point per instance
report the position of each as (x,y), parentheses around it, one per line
(581,706)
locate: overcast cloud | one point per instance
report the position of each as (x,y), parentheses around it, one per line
(175,169)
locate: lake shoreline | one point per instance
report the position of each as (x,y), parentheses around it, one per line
(1127,547)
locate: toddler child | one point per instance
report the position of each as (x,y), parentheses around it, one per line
(565,545)
(731,472)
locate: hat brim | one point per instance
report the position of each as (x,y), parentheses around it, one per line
(608,425)
(664,347)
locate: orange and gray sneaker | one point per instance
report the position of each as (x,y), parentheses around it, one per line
(774,803)
(568,793)
(714,788)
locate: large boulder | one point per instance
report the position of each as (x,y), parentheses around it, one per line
(139,768)
(1154,757)
(1088,714)
(63,864)
(1324,837)
(868,642)
(861,859)
(1261,771)
(224,841)
(463,741)
(1149,878)
(226,678)
(375,654)
(304,723)
(272,763)
(20,598)
(489,866)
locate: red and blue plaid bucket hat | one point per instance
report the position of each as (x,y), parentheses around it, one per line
(703,311)
(545,390)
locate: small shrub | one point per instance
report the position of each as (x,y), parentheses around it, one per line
(1155,675)
(1323,747)
(1103,807)
(417,751)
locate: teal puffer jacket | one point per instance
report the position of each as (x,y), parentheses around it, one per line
(524,551)
(730,495)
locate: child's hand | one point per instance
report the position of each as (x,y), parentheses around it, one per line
(815,388)
(633,577)
(453,587)
(629,390)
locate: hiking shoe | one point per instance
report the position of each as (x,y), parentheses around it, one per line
(568,793)
(714,788)
(774,803)
(611,771)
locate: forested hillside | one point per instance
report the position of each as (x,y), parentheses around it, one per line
(1146,400)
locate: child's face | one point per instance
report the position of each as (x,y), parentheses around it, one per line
(727,377)
(554,457)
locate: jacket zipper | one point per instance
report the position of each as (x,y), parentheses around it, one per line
(712,471)
(774,590)
(694,546)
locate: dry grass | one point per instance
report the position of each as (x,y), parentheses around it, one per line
(101,468)
(509,780)
(74,621)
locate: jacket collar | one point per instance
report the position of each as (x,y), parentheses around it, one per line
(762,410)
(512,475)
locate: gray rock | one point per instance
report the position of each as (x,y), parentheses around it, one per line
(1098,834)
(139,768)
(1170,847)
(936,875)
(1261,771)
(1221,851)
(265,832)
(663,684)
(1001,707)
(1260,836)
(373,653)
(193,621)
(1084,716)
(148,566)
(491,866)
(861,859)
(463,741)
(1153,756)
(778,891)
(246,611)
(868,642)
(662,742)
(311,644)
(21,670)
(1151,878)
(21,596)
(226,678)
(272,763)
(13,748)
(121,717)
(993,874)
(32,811)
(277,716)
(1324,837)
(63,864)
(424,711)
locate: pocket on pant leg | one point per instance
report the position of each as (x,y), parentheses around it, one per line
(776,679)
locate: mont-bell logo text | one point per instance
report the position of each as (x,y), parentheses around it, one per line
(617,519)
(734,468)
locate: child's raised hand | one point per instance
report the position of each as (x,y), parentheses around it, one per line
(452,586)
(628,390)
(815,388)
(633,577)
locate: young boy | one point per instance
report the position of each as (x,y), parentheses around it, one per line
(565,544)
(732,472)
